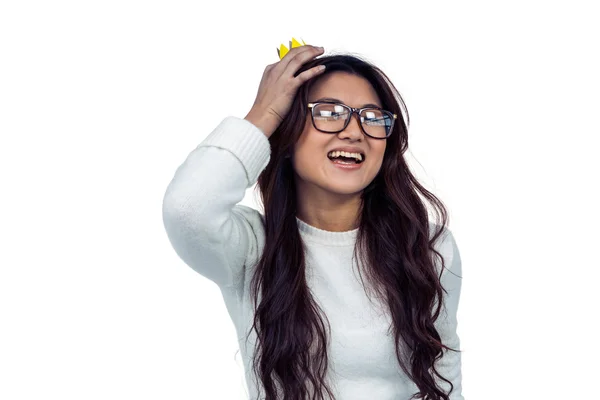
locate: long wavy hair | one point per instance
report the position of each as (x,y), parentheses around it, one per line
(393,241)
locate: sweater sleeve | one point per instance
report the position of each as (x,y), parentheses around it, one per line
(207,228)
(449,366)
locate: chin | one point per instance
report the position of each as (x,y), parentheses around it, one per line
(345,189)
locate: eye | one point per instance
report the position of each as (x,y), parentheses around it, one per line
(374,117)
(330,112)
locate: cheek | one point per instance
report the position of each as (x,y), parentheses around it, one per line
(305,163)
(377,163)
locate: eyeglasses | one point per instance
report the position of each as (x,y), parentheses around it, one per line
(333,117)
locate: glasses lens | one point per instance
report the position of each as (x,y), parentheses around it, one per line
(376,122)
(332,118)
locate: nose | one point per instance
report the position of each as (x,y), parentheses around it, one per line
(353,129)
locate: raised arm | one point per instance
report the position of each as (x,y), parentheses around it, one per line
(207,228)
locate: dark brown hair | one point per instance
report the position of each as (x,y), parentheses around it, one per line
(393,240)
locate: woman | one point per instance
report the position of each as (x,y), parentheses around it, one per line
(337,193)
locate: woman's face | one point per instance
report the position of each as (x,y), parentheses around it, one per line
(315,172)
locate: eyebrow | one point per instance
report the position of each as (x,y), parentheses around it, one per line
(339,101)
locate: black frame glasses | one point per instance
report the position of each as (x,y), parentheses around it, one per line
(351,111)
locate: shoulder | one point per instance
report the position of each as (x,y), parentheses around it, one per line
(252,220)
(446,246)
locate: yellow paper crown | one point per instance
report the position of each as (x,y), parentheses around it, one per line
(282,50)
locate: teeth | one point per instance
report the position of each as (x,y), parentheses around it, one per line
(358,156)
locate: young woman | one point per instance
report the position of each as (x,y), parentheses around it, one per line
(326,147)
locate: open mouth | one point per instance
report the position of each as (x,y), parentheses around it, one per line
(354,158)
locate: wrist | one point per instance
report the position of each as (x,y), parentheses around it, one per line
(265,122)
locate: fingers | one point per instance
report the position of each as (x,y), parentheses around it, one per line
(301,51)
(297,56)
(310,73)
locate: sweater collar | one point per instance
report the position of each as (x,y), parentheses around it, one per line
(321,236)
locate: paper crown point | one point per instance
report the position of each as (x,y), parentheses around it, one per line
(282,50)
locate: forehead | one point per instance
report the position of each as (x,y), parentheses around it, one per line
(352,90)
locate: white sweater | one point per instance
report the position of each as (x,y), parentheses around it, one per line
(222,241)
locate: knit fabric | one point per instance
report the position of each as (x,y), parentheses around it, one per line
(222,240)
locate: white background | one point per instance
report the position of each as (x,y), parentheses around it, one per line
(101,101)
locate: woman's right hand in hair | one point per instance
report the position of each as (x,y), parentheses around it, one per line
(278,87)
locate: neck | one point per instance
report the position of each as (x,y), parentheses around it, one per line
(334,214)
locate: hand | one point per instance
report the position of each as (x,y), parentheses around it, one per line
(278,87)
